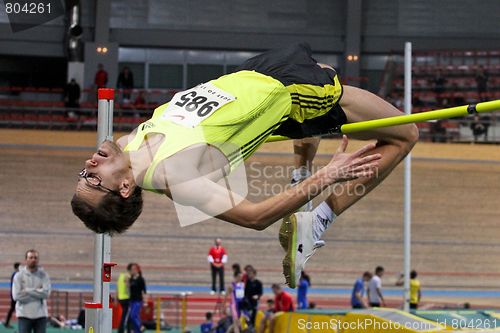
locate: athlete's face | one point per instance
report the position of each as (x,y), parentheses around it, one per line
(107,170)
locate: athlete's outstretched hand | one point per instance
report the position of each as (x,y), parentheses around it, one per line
(348,166)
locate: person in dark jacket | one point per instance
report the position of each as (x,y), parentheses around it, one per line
(137,291)
(125,82)
(12,308)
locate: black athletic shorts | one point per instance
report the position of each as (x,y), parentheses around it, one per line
(315,92)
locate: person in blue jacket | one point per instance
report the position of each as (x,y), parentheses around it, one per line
(304,284)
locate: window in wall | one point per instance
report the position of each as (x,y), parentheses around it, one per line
(165,76)
(137,70)
(202,73)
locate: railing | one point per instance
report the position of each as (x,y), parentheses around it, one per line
(67,118)
(68,302)
(451,130)
(88,98)
(163,308)
(172,308)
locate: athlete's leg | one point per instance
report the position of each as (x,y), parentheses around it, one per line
(394,143)
(304,151)
(304,230)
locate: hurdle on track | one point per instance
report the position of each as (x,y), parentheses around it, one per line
(98,313)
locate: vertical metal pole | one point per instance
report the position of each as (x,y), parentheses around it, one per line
(57,303)
(184,313)
(158,314)
(407,186)
(66,305)
(103,241)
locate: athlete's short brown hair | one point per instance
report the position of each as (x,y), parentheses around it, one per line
(114,214)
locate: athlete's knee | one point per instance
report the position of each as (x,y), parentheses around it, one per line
(411,135)
(257,224)
(403,140)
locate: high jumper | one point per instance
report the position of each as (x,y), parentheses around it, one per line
(191,144)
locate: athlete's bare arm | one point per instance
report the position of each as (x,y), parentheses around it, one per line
(193,188)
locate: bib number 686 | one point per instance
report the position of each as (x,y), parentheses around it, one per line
(192,102)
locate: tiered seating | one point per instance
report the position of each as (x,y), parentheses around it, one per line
(459,69)
(36,107)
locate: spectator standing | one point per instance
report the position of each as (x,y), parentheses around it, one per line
(217,257)
(303,286)
(486,119)
(375,296)
(457,97)
(439,86)
(246,269)
(30,290)
(137,291)
(482,83)
(253,293)
(72,94)
(101,77)
(237,294)
(478,128)
(126,82)
(438,131)
(208,325)
(123,296)
(415,290)
(357,298)
(140,101)
(283,302)
(236,268)
(12,308)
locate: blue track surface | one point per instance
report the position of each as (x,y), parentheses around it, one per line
(316,291)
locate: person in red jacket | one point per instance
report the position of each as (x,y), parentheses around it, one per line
(101,77)
(283,302)
(217,257)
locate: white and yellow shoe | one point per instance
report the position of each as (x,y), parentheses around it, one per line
(296,238)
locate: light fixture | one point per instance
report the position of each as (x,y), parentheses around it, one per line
(352,57)
(102,49)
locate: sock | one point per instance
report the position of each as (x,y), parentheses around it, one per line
(300,174)
(323,217)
